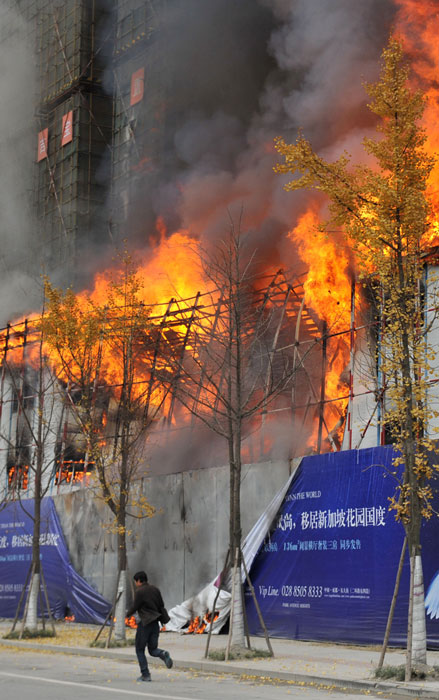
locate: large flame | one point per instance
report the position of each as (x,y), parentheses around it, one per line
(328,291)
(418,26)
(171,270)
(327,286)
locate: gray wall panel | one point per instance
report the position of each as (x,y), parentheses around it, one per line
(183,546)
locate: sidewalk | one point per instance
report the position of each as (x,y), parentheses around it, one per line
(305,663)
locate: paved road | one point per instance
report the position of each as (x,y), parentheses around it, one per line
(44,676)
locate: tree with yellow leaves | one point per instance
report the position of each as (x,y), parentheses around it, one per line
(104,350)
(385,215)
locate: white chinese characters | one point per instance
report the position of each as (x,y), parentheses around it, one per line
(350,517)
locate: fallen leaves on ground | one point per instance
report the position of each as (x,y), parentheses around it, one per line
(70,634)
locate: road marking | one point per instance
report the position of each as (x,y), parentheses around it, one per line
(89,686)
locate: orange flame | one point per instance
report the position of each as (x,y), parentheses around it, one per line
(18,477)
(327,287)
(198,624)
(169,270)
(418,26)
(73,471)
(172,270)
(328,290)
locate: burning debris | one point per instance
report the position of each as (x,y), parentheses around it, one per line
(194,615)
(183,328)
(73,472)
(200,624)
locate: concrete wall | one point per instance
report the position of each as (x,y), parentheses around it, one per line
(183,546)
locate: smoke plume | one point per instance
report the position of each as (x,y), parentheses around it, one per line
(19,250)
(311,60)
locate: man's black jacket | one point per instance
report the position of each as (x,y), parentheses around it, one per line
(148,603)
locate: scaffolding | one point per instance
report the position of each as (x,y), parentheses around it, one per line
(70,187)
(117,143)
(65,46)
(290,328)
(73,124)
(137,20)
(139,125)
(141,99)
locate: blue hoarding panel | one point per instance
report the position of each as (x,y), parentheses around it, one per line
(67,591)
(327,569)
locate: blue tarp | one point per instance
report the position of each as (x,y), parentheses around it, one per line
(327,569)
(67,591)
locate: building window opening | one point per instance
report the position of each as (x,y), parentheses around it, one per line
(73,470)
(18,477)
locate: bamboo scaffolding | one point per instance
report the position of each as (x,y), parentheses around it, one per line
(322,386)
(285,306)
(183,350)
(268,373)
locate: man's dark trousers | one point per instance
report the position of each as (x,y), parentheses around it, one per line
(147,635)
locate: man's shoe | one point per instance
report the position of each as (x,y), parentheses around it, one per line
(167,659)
(144,678)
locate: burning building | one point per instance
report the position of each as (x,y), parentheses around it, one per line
(153,121)
(117,110)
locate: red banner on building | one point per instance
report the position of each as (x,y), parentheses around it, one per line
(137,83)
(43,141)
(67,128)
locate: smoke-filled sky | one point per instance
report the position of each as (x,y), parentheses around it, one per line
(19,277)
(243,72)
(249,71)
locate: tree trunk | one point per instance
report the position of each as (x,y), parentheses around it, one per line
(416,631)
(121,606)
(237,632)
(120,630)
(31,622)
(236,525)
(419,633)
(232,488)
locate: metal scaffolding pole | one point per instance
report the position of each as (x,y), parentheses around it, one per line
(322,386)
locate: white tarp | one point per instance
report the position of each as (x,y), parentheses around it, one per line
(202,602)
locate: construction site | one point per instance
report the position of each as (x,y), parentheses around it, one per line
(145,129)
(106,110)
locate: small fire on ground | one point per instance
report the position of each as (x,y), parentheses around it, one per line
(129,622)
(198,624)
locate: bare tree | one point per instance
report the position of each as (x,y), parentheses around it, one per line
(31,451)
(233,372)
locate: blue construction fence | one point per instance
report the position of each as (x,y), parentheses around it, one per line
(326,570)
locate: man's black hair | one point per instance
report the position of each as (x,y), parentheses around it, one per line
(141,576)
